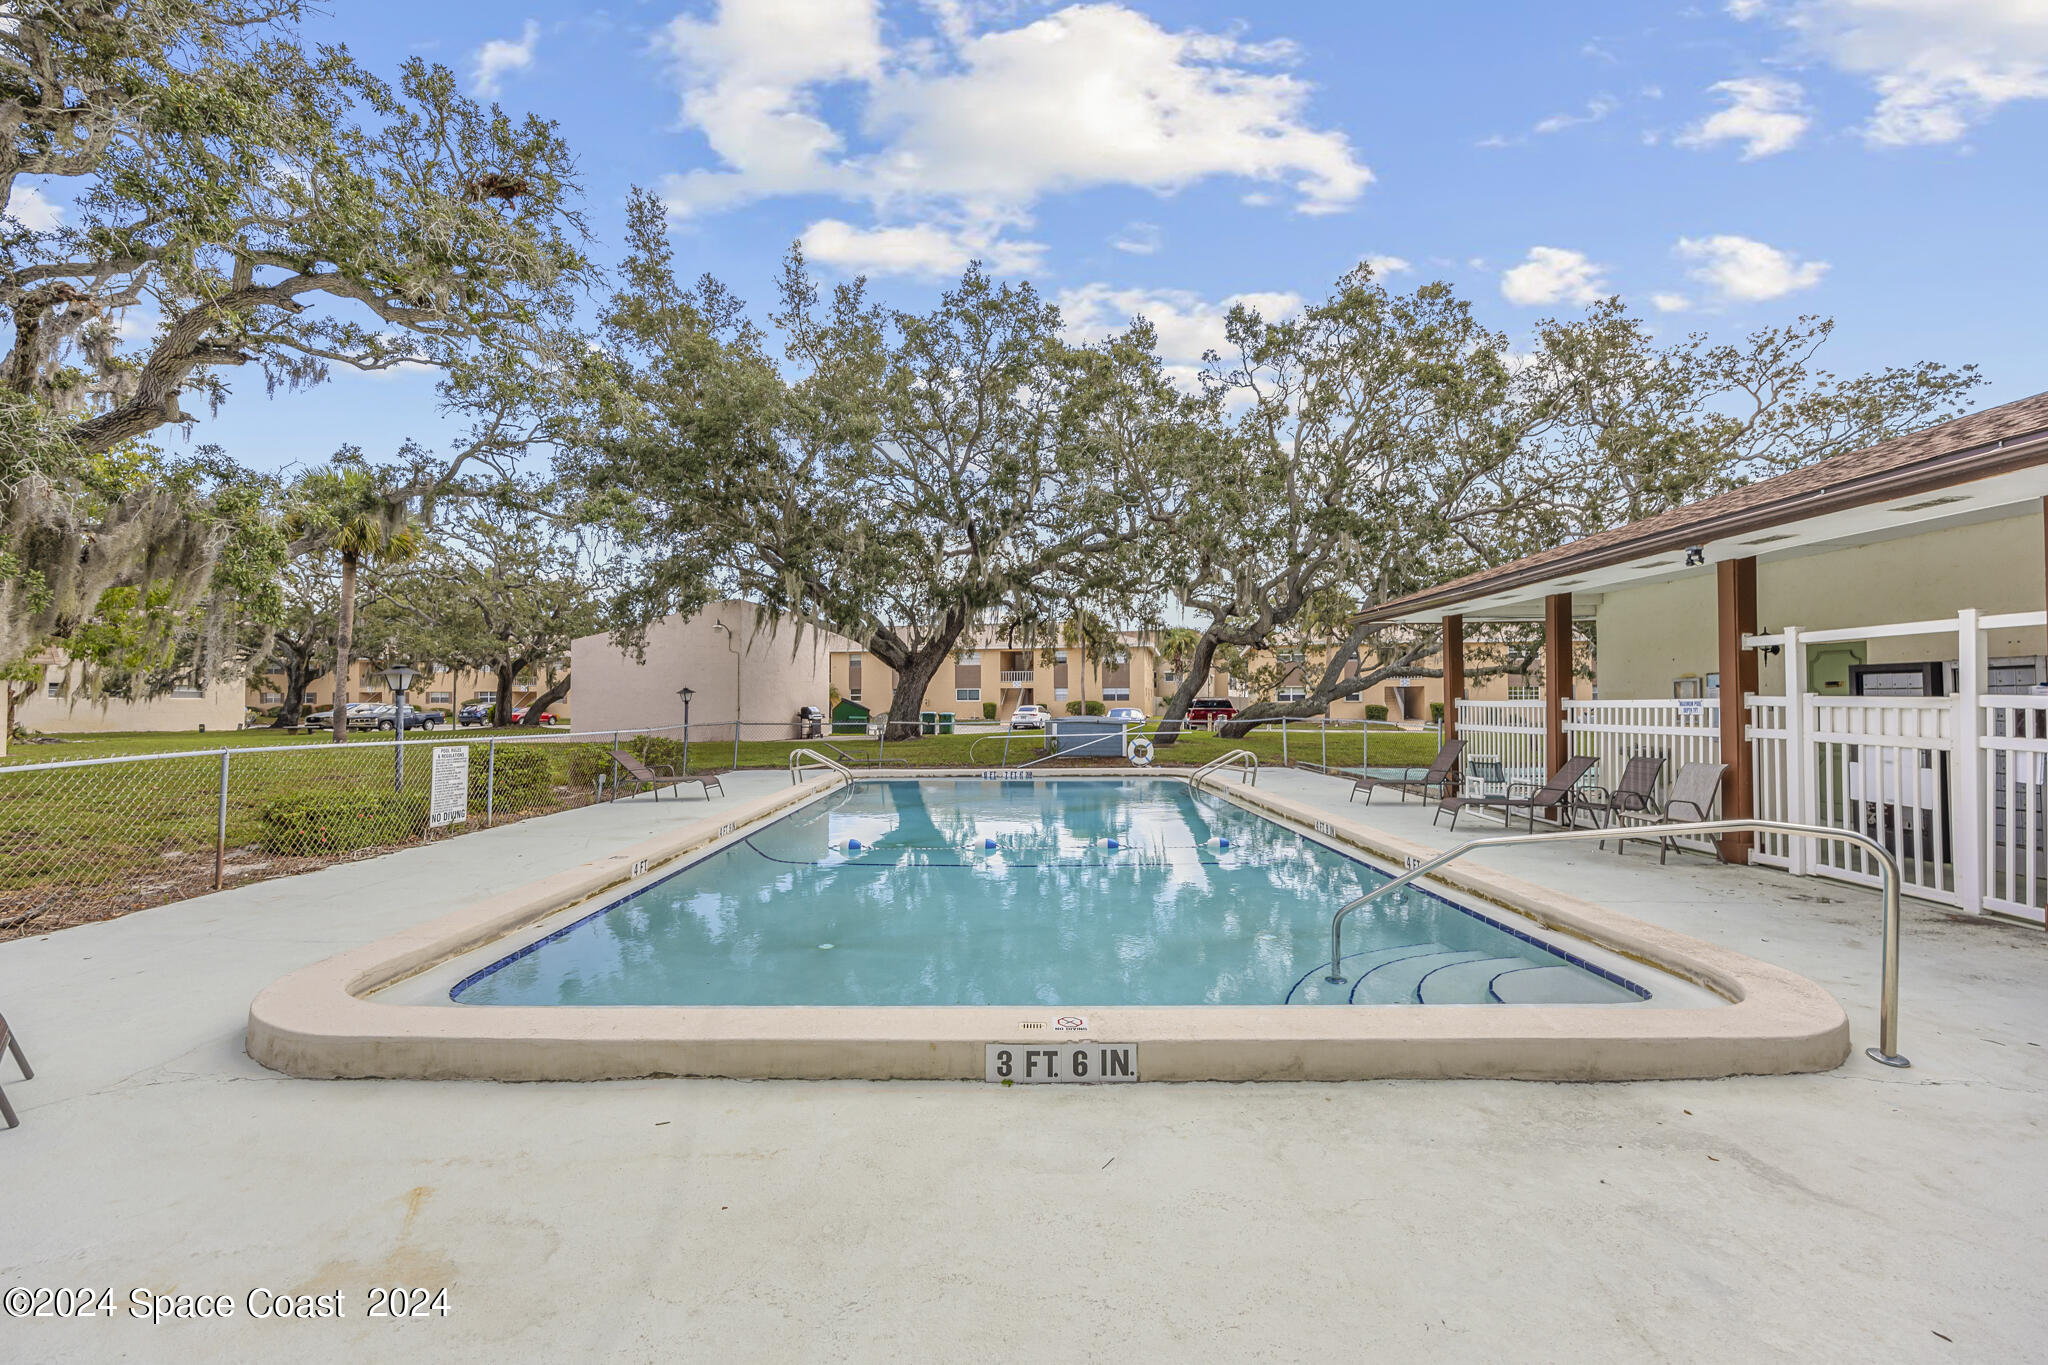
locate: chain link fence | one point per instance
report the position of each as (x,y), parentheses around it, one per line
(91,839)
(96,838)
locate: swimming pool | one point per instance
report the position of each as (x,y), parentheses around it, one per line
(1082,892)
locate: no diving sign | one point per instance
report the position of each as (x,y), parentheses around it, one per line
(448,794)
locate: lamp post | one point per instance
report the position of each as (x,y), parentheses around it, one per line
(686,694)
(400,677)
(732,642)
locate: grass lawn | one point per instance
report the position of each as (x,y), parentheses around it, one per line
(120,743)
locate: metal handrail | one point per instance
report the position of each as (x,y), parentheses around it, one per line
(1244,758)
(817,760)
(1887,1050)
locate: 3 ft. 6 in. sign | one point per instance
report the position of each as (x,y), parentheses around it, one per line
(1062,1063)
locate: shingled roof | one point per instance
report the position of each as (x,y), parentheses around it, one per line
(2011,436)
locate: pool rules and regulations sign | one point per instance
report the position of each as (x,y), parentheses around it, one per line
(448,795)
(1062,1063)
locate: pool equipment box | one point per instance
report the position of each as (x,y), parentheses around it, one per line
(1062,1063)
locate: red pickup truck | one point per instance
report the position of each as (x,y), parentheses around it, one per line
(1205,709)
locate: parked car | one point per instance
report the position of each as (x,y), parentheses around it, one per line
(416,718)
(476,713)
(1128,715)
(519,716)
(1206,709)
(361,716)
(1028,717)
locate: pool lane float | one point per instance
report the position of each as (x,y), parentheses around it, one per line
(1140,752)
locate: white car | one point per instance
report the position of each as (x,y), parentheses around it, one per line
(1128,715)
(1028,717)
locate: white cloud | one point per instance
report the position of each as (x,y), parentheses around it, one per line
(1553,274)
(1139,239)
(1937,66)
(1187,325)
(499,56)
(1744,270)
(1597,108)
(1388,265)
(1744,10)
(1670,303)
(977,123)
(28,207)
(930,250)
(1764,113)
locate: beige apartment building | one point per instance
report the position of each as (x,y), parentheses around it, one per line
(58,705)
(444,690)
(1006,676)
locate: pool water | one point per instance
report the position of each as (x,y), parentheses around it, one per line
(1077,892)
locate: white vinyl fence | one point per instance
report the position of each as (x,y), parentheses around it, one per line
(1954,787)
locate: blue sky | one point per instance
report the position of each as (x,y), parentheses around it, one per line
(1720,165)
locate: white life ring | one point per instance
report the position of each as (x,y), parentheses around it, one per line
(1140,752)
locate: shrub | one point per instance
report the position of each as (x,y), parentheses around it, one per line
(588,762)
(524,778)
(1096,708)
(1073,708)
(988,710)
(1436,712)
(315,822)
(1375,711)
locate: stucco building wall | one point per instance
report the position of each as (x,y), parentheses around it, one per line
(777,672)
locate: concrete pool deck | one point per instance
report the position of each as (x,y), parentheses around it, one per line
(1838,1216)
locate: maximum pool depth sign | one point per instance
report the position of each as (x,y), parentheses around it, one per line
(448,794)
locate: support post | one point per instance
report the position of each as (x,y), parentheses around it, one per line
(1800,783)
(220,829)
(1557,678)
(1735,592)
(1454,674)
(1968,818)
(491,785)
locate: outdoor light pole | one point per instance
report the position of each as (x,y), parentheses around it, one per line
(686,694)
(732,642)
(400,677)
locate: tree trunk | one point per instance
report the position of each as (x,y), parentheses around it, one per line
(344,629)
(555,692)
(298,675)
(1199,663)
(501,706)
(907,700)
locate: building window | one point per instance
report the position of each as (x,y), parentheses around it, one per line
(1059,656)
(1354,696)
(1059,694)
(187,692)
(1291,656)
(966,694)
(443,698)
(1520,692)
(1116,694)
(487,696)
(55,689)
(269,697)
(1169,677)
(1294,694)
(970,657)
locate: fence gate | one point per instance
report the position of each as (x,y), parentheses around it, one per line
(2015,742)
(1882,765)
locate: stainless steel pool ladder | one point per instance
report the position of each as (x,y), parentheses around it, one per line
(797,764)
(1244,758)
(1887,1049)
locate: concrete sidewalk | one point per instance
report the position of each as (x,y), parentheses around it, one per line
(1851,1216)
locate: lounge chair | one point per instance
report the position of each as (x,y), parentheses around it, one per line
(655,776)
(1692,798)
(1555,792)
(13,1045)
(1635,792)
(1437,781)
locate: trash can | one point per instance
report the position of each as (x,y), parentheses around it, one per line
(927,722)
(945,722)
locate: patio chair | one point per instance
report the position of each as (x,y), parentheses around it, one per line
(1557,791)
(1441,776)
(1692,797)
(655,776)
(1634,792)
(13,1045)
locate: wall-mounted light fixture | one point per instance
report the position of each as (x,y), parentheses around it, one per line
(1695,554)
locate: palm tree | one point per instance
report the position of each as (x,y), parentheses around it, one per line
(350,511)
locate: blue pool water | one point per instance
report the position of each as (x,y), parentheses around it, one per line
(969,892)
